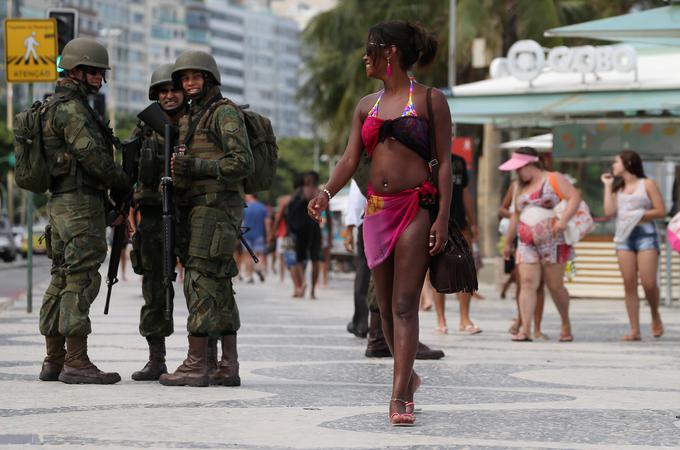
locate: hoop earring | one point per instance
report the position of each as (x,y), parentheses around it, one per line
(389,68)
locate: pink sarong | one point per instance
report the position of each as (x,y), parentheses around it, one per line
(386,218)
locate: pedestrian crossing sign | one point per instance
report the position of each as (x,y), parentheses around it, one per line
(30,50)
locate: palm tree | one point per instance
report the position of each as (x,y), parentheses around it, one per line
(334,44)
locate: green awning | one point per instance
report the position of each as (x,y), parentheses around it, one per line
(548,109)
(659,26)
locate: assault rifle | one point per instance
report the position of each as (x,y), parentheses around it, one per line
(121,199)
(250,251)
(157,120)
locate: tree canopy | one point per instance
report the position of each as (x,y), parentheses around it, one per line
(334,41)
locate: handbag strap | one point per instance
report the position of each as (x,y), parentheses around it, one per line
(433,163)
(553,183)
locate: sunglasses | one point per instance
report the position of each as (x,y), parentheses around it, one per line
(370,45)
(168,90)
(94,71)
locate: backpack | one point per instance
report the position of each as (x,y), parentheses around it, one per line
(32,172)
(265,152)
(262,144)
(297,219)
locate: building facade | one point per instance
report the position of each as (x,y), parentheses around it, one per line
(226,26)
(258,55)
(257,51)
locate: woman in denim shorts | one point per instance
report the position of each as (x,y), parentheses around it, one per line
(636,202)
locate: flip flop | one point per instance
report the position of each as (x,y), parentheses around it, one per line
(470,329)
(630,338)
(566,338)
(521,337)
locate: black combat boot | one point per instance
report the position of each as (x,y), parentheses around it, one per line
(54,361)
(377,345)
(78,369)
(227,370)
(194,370)
(212,356)
(155,367)
(425,352)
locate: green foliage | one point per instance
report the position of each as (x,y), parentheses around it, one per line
(124,125)
(296,155)
(333,44)
(6,149)
(6,139)
(333,47)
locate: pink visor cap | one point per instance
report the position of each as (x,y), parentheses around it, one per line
(517,160)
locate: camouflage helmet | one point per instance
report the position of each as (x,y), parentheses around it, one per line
(84,51)
(196,60)
(162,75)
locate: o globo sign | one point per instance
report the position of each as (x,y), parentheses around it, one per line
(526,60)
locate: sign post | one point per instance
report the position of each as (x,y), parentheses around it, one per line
(29,224)
(30,57)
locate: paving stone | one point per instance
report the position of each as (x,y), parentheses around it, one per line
(306,383)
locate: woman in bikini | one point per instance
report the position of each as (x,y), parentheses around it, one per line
(636,202)
(406,218)
(541,248)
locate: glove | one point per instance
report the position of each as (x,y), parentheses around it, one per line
(182,167)
(187,167)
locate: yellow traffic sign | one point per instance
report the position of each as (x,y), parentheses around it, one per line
(30,50)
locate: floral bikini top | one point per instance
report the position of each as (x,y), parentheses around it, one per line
(409,129)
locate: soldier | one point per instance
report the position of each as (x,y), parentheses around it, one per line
(212,161)
(78,150)
(147,243)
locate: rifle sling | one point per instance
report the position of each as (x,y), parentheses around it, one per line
(194,123)
(105,130)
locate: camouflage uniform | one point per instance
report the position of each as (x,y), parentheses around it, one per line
(82,167)
(80,158)
(146,256)
(219,158)
(215,212)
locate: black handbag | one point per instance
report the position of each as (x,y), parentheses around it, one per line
(453,269)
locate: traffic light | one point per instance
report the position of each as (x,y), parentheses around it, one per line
(67,27)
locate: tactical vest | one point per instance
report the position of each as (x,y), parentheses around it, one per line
(151,162)
(67,174)
(202,146)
